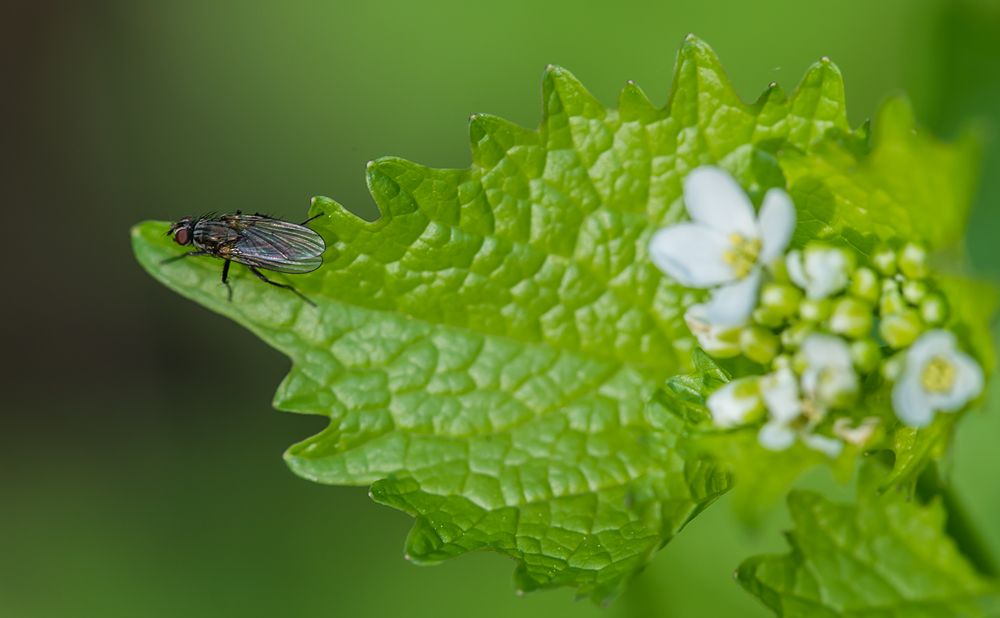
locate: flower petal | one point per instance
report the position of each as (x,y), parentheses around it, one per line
(732,304)
(777,224)
(829,377)
(793,262)
(826,269)
(826,351)
(859,435)
(968,385)
(775,436)
(714,199)
(718,341)
(780,392)
(910,402)
(691,254)
(937,342)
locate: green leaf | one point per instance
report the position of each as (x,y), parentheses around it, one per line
(760,476)
(973,307)
(484,350)
(914,449)
(911,186)
(887,556)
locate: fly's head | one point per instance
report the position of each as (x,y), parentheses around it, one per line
(182,231)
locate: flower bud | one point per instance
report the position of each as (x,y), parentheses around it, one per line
(759,344)
(782,361)
(913,261)
(866,355)
(793,336)
(764,317)
(893,366)
(814,310)
(778,271)
(736,403)
(884,260)
(890,301)
(914,291)
(781,299)
(900,329)
(934,309)
(864,285)
(851,318)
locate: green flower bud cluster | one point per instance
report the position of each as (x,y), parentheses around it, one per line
(884,306)
(908,303)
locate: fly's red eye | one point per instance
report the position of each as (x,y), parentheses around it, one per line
(182,236)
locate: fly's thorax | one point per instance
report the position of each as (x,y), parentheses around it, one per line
(212,234)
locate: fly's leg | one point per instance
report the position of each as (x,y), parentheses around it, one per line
(184,255)
(225,274)
(313,217)
(261,276)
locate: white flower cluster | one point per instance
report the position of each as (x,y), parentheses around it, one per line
(810,316)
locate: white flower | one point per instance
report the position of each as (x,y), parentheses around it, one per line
(731,403)
(938,377)
(725,243)
(784,402)
(829,378)
(719,341)
(831,447)
(822,272)
(780,392)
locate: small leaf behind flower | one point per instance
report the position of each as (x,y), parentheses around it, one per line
(884,556)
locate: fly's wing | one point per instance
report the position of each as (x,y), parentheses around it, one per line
(279,246)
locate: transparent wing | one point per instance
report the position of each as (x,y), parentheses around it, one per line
(279,246)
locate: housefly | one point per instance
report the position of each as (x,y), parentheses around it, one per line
(257,241)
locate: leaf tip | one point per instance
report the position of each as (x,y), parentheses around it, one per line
(555,71)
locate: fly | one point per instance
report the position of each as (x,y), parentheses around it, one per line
(257,241)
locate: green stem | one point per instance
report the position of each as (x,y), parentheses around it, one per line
(960,526)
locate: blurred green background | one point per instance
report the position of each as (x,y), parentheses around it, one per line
(140,460)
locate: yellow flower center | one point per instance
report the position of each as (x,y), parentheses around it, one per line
(938,376)
(743,254)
